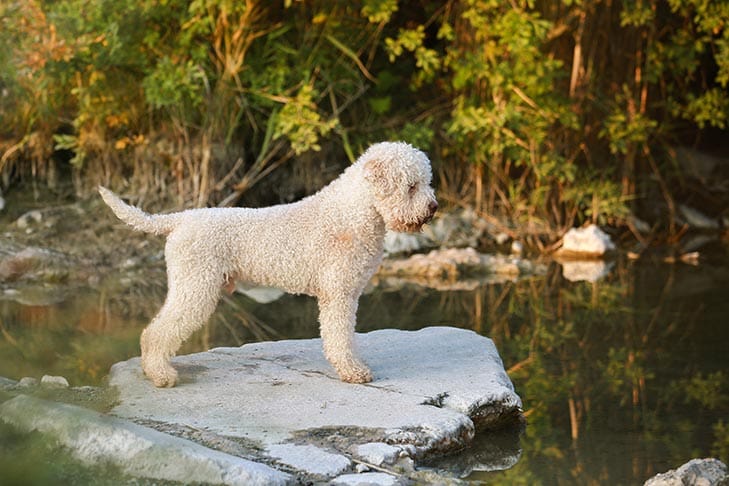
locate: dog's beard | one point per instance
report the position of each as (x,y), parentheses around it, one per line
(407,227)
(411,226)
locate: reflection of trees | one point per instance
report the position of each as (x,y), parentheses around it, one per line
(613,374)
(606,372)
(79,337)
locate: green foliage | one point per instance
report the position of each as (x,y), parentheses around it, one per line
(547,107)
(418,134)
(299,121)
(710,108)
(379,10)
(625,129)
(720,447)
(171,84)
(711,392)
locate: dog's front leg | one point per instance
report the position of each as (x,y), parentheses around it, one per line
(337,318)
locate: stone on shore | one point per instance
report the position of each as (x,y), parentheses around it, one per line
(697,472)
(588,242)
(95,438)
(433,390)
(462,228)
(49,381)
(455,268)
(397,243)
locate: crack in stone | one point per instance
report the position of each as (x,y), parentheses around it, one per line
(436,401)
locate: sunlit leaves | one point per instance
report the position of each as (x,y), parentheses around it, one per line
(709,109)
(172,84)
(623,130)
(301,123)
(379,10)
(407,40)
(637,13)
(489,84)
(711,392)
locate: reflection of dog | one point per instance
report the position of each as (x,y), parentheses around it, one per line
(327,245)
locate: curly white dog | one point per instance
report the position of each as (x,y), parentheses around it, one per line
(327,245)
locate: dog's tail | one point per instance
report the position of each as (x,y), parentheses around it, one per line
(159,224)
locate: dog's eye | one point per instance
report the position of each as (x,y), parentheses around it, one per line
(412,188)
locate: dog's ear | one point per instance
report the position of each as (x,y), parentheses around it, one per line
(376,173)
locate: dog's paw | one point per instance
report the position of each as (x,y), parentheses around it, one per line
(163,376)
(356,374)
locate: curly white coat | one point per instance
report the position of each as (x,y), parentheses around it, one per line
(327,245)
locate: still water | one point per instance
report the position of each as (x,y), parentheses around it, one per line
(620,378)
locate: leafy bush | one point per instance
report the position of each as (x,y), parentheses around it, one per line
(547,114)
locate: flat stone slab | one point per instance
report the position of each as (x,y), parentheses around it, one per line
(432,390)
(95,438)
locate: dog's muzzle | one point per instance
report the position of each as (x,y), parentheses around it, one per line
(432,208)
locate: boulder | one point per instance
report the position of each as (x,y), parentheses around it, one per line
(696,472)
(587,242)
(48,381)
(433,390)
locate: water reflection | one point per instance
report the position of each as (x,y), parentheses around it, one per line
(490,452)
(621,377)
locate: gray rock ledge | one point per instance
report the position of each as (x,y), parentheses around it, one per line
(696,472)
(95,438)
(280,401)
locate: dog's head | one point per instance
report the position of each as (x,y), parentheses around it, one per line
(400,177)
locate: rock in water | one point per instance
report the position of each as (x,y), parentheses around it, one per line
(698,472)
(588,242)
(140,451)
(433,390)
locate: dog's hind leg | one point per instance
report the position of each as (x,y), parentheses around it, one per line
(191,300)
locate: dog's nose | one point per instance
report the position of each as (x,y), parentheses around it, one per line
(433,207)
